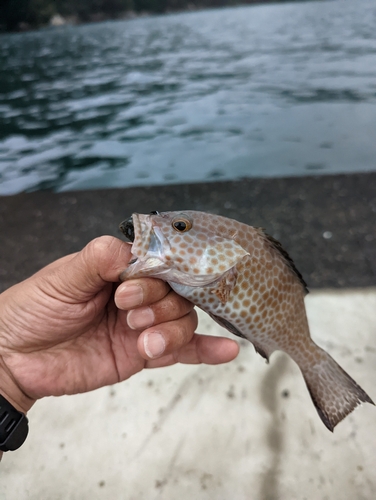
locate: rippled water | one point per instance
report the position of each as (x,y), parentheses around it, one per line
(265,90)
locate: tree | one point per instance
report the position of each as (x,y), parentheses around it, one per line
(14,12)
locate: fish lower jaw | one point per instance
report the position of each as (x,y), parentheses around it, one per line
(152,267)
(187,280)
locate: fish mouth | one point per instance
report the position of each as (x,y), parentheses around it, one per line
(135,232)
(127,228)
(147,248)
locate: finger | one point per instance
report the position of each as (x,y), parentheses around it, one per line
(100,262)
(201,349)
(170,308)
(140,292)
(56,263)
(53,266)
(166,338)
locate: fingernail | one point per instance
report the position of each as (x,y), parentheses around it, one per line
(140,318)
(154,344)
(129,296)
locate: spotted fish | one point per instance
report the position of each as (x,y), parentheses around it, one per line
(248,284)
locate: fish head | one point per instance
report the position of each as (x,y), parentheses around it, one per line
(181,247)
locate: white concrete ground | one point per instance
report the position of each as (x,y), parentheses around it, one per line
(242,431)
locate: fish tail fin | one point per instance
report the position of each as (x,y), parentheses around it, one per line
(334,393)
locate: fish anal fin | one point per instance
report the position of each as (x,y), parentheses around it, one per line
(225,285)
(334,393)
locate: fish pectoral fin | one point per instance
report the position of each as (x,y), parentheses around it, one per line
(225,285)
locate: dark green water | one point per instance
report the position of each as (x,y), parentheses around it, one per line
(267,90)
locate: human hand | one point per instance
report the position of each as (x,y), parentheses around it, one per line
(71,327)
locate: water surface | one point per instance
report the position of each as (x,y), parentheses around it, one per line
(264,90)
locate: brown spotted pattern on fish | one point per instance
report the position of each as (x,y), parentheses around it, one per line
(247,283)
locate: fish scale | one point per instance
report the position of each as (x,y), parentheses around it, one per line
(247,283)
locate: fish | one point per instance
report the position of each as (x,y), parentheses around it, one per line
(244,279)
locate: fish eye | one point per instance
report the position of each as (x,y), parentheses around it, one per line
(181,225)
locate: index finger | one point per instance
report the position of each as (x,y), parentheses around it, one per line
(140,292)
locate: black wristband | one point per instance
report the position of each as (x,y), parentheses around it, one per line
(14,426)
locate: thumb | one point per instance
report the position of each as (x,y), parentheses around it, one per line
(100,262)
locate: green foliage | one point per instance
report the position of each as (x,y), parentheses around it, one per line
(150,5)
(82,9)
(41,11)
(23,14)
(112,8)
(14,12)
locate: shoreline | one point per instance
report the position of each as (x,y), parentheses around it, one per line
(58,20)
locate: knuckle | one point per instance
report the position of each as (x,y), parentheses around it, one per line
(194,318)
(179,333)
(104,252)
(101,245)
(154,290)
(188,325)
(172,306)
(179,303)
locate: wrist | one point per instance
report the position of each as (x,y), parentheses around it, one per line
(12,392)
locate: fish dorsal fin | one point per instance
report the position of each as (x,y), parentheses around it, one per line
(276,245)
